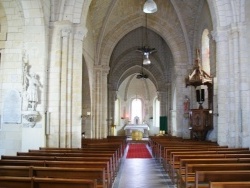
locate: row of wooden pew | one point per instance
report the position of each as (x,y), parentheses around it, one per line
(202,164)
(94,165)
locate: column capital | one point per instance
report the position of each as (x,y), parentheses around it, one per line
(80,33)
(65,31)
(102,68)
(220,35)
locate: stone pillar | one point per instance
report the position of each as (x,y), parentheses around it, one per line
(100,102)
(162,97)
(181,91)
(212,90)
(244,130)
(233,89)
(112,96)
(222,50)
(65,84)
(77,68)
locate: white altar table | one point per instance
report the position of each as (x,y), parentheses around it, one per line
(144,128)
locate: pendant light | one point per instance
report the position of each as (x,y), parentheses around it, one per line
(145,49)
(150,7)
(142,75)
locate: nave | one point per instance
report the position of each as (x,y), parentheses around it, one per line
(141,173)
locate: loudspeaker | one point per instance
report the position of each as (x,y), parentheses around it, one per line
(202,95)
(198,97)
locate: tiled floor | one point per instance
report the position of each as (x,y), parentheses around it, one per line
(141,173)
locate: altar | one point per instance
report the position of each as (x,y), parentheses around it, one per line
(144,128)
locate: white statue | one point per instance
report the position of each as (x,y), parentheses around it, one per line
(32,90)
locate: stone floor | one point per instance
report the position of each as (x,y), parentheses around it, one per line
(141,173)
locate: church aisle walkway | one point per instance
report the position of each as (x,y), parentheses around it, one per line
(141,173)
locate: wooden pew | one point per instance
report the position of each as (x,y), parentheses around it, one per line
(176,156)
(43,159)
(185,144)
(158,144)
(93,155)
(97,174)
(68,164)
(86,143)
(111,150)
(184,162)
(238,184)
(31,182)
(116,157)
(168,149)
(188,177)
(202,178)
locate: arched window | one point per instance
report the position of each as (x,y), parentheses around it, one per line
(205,51)
(205,57)
(157,112)
(136,110)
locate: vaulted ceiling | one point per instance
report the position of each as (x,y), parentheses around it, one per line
(119,29)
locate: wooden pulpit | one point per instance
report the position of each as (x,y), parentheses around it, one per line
(200,123)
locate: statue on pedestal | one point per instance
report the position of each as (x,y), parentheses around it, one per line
(31,85)
(32,91)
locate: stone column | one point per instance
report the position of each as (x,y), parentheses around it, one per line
(112,96)
(65,85)
(244,129)
(221,37)
(212,90)
(162,97)
(181,91)
(100,102)
(77,68)
(234,88)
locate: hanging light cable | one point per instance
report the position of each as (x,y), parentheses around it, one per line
(150,7)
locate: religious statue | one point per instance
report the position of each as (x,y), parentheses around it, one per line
(30,86)
(32,90)
(25,60)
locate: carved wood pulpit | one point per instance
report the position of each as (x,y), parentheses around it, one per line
(201,121)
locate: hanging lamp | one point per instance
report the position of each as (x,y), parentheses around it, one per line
(145,49)
(150,7)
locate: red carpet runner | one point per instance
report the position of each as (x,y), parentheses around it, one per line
(138,151)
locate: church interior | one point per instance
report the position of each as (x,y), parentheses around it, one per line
(112,73)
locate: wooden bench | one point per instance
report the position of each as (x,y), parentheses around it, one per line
(158,144)
(68,164)
(202,178)
(31,182)
(97,174)
(238,184)
(184,162)
(183,159)
(116,158)
(104,142)
(176,156)
(69,155)
(188,177)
